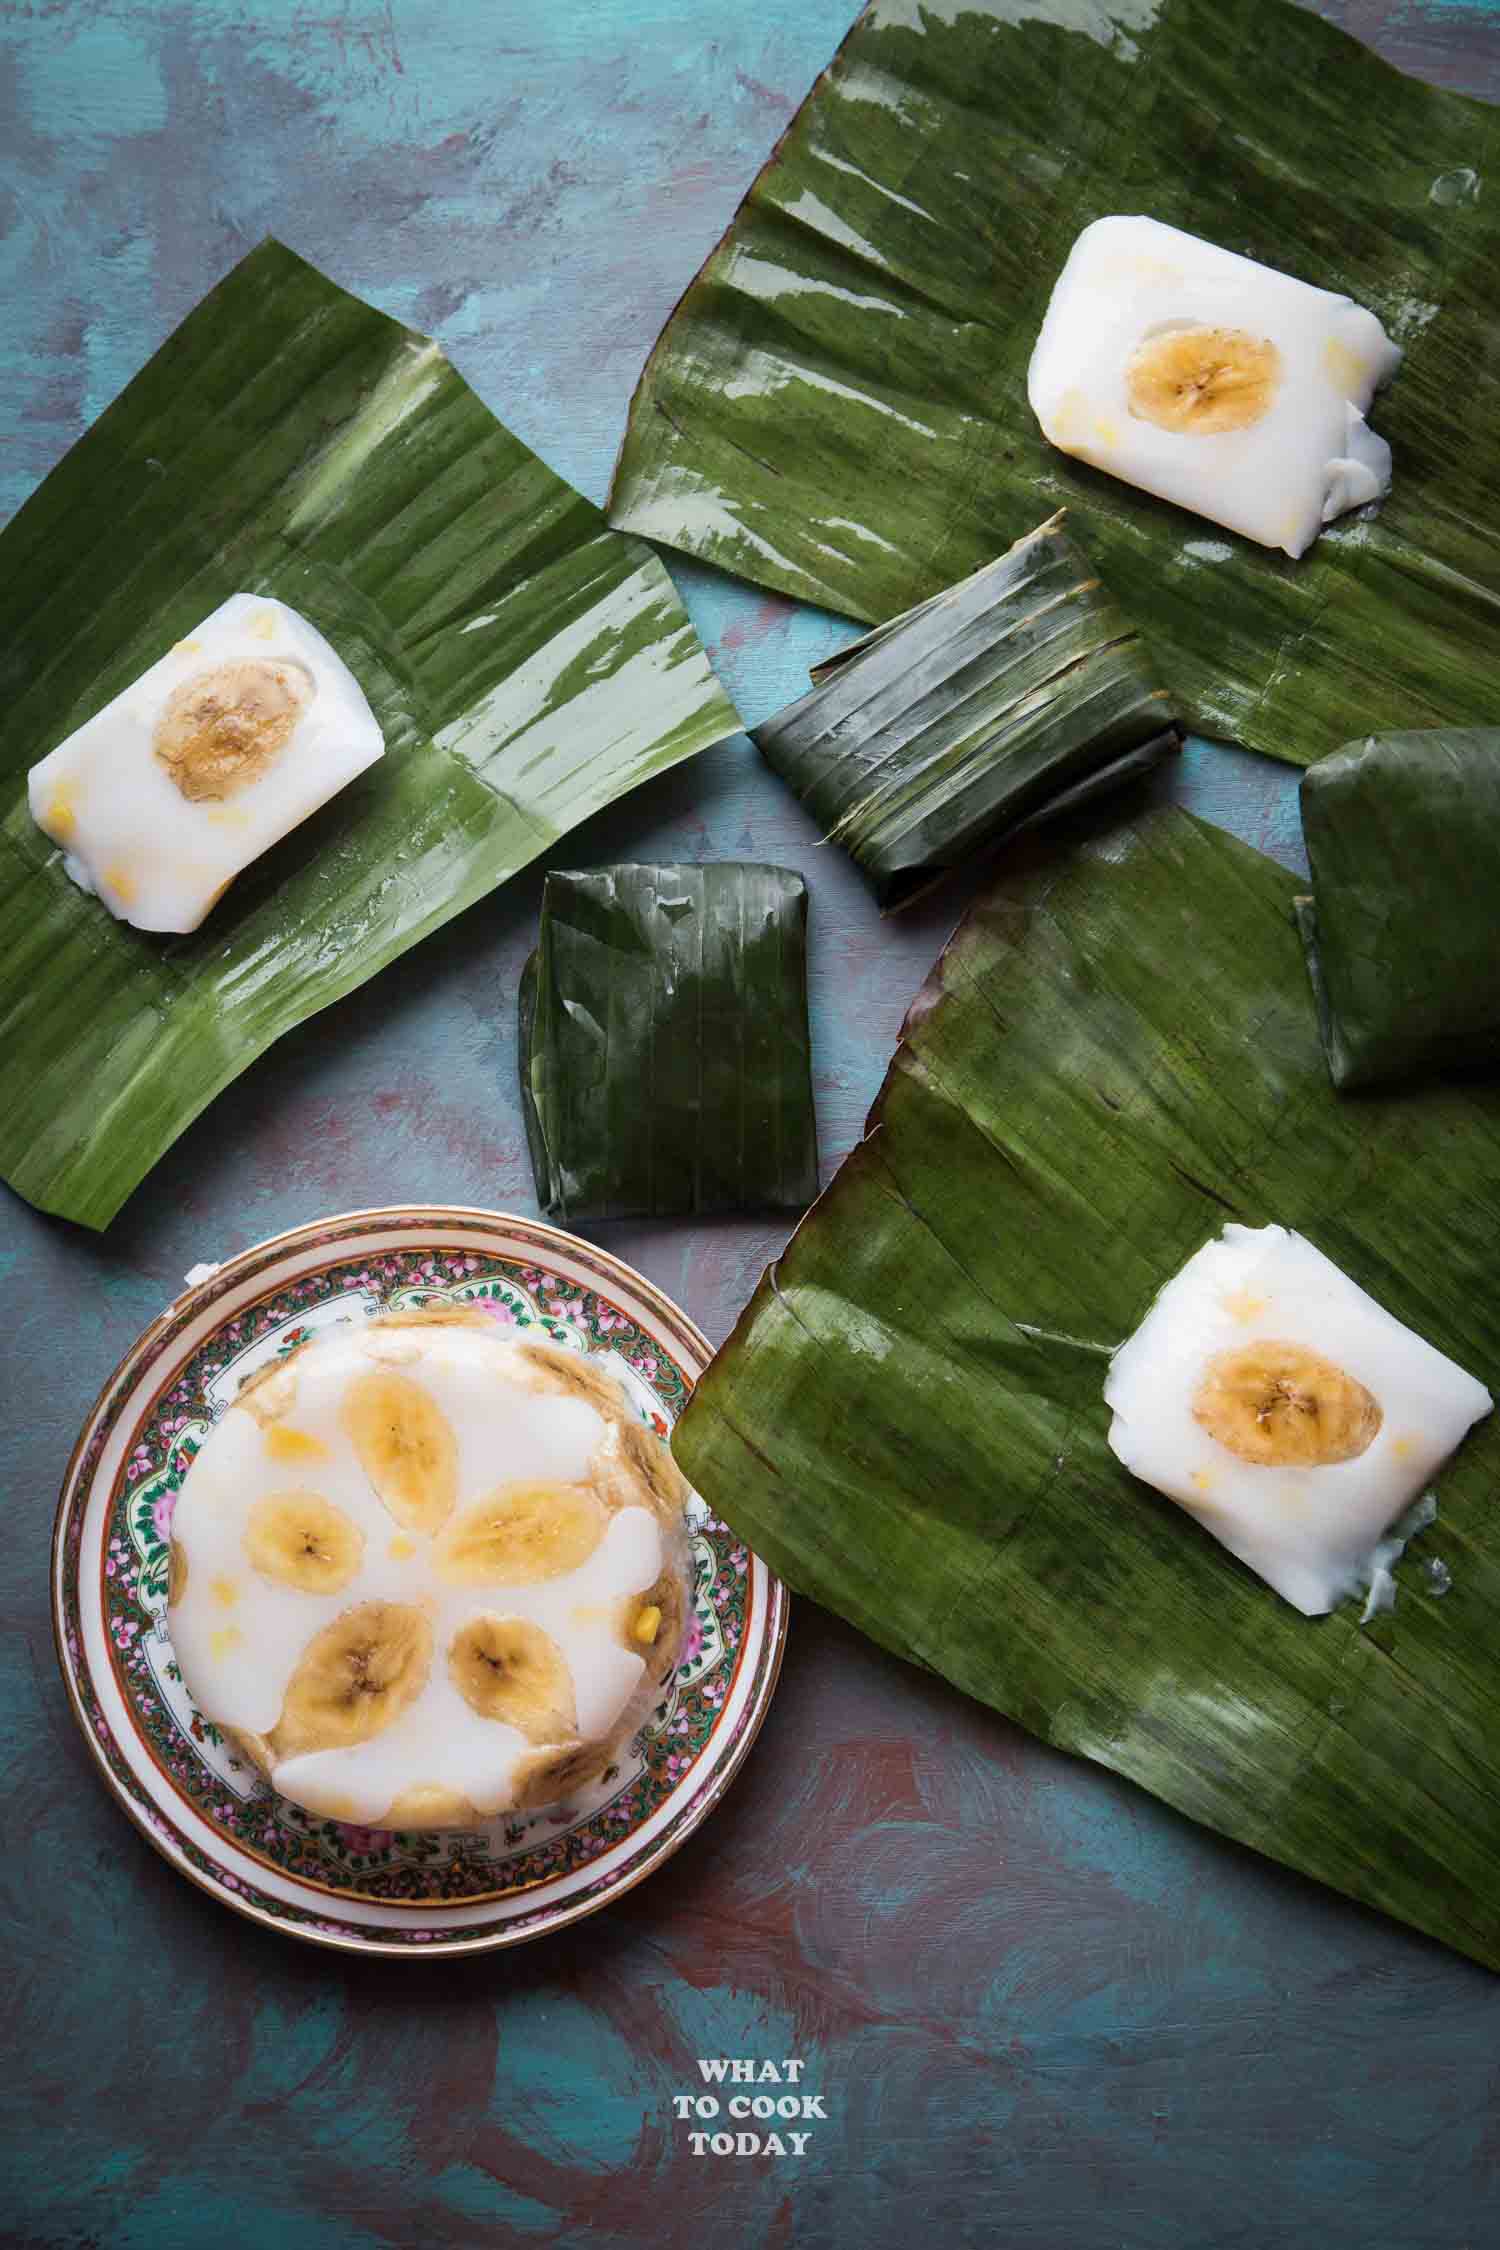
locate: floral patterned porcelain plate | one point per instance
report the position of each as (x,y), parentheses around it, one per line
(204,1808)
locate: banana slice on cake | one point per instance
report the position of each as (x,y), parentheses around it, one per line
(356,1677)
(453,1586)
(1283,1406)
(507,1668)
(521,1534)
(1201,380)
(405,1445)
(302,1540)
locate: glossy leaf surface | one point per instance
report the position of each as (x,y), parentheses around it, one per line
(527,666)
(1115,1055)
(1403,837)
(972,715)
(837,407)
(665,1064)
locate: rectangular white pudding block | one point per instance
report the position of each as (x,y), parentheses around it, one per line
(242,730)
(1309,1531)
(1109,384)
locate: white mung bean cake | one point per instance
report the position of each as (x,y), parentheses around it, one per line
(1272,1398)
(1212,381)
(244,729)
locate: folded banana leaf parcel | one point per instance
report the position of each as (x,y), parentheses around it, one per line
(1003,701)
(838,406)
(664,1047)
(524,664)
(1116,1057)
(1403,838)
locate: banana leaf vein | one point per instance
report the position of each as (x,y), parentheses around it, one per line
(527,665)
(1116,1050)
(837,407)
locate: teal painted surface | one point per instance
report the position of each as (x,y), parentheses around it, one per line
(1042,2012)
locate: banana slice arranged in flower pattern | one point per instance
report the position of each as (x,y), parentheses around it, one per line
(521,1534)
(462,1599)
(357,1675)
(507,1668)
(302,1540)
(406,1447)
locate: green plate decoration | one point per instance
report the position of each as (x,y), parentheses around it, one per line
(526,663)
(1403,838)
(1115,1055)
(974,714)
(665,1059)
(837,408)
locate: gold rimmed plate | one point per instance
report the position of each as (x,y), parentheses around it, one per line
(183,1783)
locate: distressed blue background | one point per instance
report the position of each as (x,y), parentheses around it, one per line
(1042,2011)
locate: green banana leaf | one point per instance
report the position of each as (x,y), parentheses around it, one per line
(837,408)
(1403,838)
(665,1060)
(1115,1055)
(973,715)
(526,663)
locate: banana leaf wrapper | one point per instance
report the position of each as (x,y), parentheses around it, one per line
(527,666)
(837,408)
(1114,1056)
(1403,838)
(975,714)
(665,1057)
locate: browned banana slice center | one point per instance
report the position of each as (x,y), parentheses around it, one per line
(355,1678)
(223,729)
(406,1447)
(507,1668)
(1281,1406)
(302,1540)
(522,1534)
(547,1775)
(633,1469)
(1200,381)
(572,1375)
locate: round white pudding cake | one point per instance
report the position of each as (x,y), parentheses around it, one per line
(424,1574)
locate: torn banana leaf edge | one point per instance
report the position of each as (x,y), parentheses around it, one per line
(837,407)
(527,666)
(1115,1054)
(1021,692)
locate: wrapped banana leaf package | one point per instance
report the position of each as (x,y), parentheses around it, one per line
(664,1050)
(1110,1099)
(388,658)
(1403,838)
(1208,273)
(1002,700)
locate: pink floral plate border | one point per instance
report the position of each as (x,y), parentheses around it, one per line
(204,1810)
